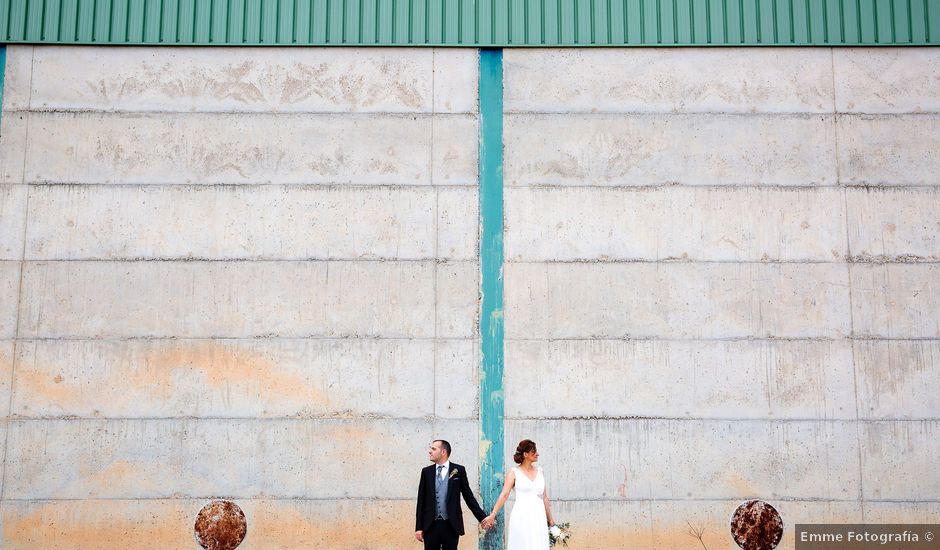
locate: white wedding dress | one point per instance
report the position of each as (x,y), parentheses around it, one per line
(528,525)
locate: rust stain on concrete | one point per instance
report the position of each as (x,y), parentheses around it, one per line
(220,525)
(756,525)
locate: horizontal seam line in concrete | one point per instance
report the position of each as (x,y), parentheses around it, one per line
(351,339)
(765,420)
(303,185)
(411,499)
(752,114)
(199,259)
(291,186)
(14,419)
(900,259)
(264,113)
(188,260)
(724,186)
(847,338)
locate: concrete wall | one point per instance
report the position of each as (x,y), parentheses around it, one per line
(722,284)
(243,273)
(252,273)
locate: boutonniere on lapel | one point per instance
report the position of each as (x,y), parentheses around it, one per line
(452,473)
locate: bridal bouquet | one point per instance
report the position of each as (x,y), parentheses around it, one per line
(559,533)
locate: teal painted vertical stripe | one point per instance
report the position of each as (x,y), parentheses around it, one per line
(491,286)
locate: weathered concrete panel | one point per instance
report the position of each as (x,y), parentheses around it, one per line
(898,379)
(51,459)
(902,512)
(230,299)
(241,79)
(456,76)
(240,378)
(16,77)
(12,221)
(272,524)
(6,372)
(896,300)
(669,80)
(674,223)
(9,295)
(889,149)
(615,378)
(455,150)
(239,222)
(885,224)
(601,459)
(458,223)
(887,80)
(244,148)
(676,300)
(458,287)
(12,147)
(899,460)
(656,149)
(456,379)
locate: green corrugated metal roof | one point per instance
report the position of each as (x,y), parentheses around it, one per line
(502,23)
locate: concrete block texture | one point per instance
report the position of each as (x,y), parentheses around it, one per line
(902,512)
(17,76)
(676,300)
(889,149)
(733,380)
(898,378)
(287,458)
(12,221)
(6,372)
(9,295)
(896,300)
(252,79)
(610,459)
(612,150)
(664,525)
(734,80)
(242,378)
(367,149)
(245,299)
(168,523)
(250,222)
(899,460)
(890,224)
(887,80)
(674,223)
(13,128)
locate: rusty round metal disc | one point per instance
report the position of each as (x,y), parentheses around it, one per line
(756,525)
(220,525)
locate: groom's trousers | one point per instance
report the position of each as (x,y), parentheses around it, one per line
(441,536)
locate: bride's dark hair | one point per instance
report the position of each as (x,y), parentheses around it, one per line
(525,446)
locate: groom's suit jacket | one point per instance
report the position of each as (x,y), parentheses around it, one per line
(457,485)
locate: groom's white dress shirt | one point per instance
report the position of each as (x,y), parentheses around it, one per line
(445,470)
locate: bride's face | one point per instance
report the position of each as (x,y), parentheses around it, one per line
(532,456)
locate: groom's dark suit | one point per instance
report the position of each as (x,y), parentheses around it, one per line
(444,533)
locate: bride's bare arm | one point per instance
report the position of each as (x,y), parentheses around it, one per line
(507,488)
(548,507)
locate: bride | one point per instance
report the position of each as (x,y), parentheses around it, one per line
(531,514)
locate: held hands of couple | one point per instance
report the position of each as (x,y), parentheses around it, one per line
(488,522)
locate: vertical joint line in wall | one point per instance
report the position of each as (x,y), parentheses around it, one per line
(848,268)
(436,264)
(491,285)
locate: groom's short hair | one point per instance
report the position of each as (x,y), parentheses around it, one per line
(444,445)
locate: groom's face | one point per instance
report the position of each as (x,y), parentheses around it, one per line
(436,452)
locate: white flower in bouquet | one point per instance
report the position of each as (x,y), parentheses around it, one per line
(559,533)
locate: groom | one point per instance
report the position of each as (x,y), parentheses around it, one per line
(439,521)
